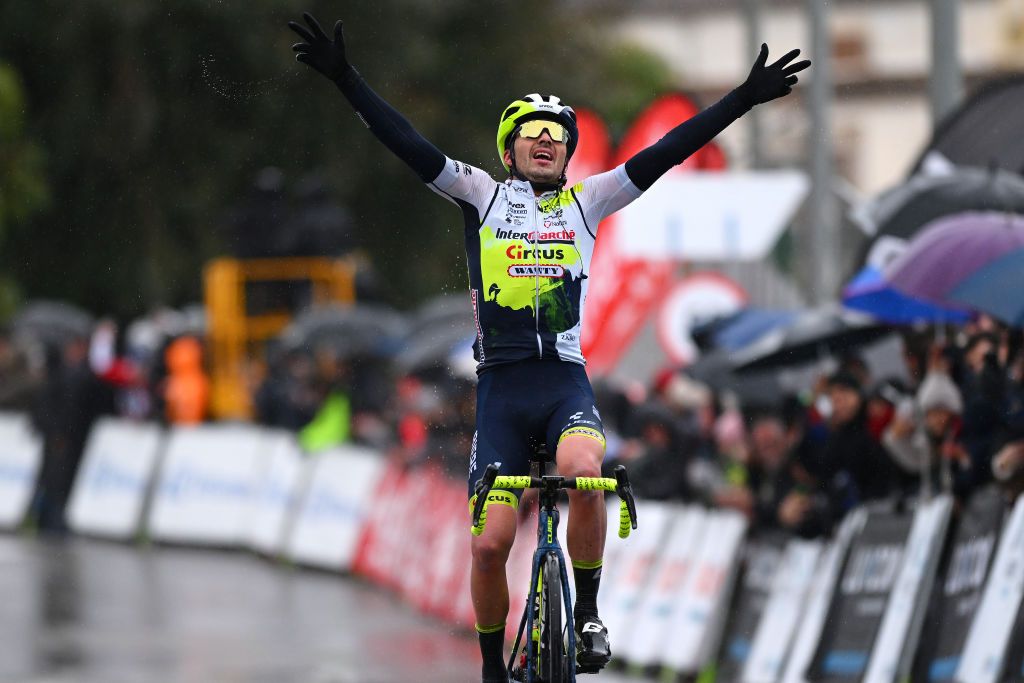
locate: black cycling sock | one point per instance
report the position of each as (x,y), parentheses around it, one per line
(492,644)
(588,580)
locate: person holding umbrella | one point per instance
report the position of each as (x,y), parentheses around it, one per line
(529,241)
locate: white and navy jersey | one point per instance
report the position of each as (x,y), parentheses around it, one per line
(529,258)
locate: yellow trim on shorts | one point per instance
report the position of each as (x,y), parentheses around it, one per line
(588,432)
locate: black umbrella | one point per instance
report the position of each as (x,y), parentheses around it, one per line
(984,130)
(815,334)
(753,389)
(903,210)
(441,310)
(436,346)
(51,322)
(348,330)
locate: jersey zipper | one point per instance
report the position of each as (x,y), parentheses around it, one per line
(536,278)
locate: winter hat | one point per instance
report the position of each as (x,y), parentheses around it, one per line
(938,391)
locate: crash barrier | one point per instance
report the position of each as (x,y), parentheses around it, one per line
(918,595)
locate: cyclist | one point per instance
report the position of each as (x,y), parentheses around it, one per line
(529,241)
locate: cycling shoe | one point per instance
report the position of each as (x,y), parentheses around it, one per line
(593,650)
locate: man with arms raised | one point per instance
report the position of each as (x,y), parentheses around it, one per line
(529,241)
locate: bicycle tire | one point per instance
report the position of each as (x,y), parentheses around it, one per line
(552,651)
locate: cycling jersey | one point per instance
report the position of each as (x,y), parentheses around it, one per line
(529,258)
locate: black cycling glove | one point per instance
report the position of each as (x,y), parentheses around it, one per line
(318,51)
(765,83)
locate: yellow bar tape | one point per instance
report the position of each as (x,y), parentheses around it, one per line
(506,482)
(596,484)
(624,524)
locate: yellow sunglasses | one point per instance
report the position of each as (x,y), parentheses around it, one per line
(534,129)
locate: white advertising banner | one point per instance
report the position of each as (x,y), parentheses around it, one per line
(985,651)
(896,643)
(21,456)
(620,600)
(645,642)
(335,506)
(699,616)
(782,613)
(820,597)
(206,484)
(696,216)
(118,466)
(276,492)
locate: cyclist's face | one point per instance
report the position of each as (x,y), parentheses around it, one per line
(540,160)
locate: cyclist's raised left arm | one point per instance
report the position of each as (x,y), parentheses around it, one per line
(764,83)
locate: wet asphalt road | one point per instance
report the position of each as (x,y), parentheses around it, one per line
(84,611)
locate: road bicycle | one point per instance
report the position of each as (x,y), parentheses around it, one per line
(548,655)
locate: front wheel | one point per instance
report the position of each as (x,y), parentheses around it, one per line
(552,653)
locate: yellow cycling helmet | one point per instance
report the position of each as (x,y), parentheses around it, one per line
(531,108)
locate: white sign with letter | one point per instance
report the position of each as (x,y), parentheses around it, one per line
(700,615)
(115,475)
(276,492)
(334,508)
(206,485)
(21,456)
(646,641)
(896,643)
(985,650)
(782,613)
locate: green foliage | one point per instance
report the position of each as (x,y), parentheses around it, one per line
(23,188)
(155,117)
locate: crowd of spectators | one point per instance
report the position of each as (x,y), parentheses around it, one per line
(951,422)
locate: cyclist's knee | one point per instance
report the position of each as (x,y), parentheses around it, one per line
(491,550)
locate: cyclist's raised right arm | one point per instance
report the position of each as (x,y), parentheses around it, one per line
(328,57)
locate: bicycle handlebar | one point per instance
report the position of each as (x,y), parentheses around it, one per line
(620,485)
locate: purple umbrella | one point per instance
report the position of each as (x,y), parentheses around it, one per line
(951,249)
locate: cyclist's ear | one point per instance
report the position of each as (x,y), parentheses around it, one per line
(507,156)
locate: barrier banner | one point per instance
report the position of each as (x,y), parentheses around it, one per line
(372,559)
(959,585)
(868,576)
(698,619)
(893,653)
(451,550)
(645,642)
(21,456)
(110,487)
(812,622)
(985,652)
(1014,669)
(420,540)
(334,508)
(276,494)
(786,602)
(205,486)
(759,564)
(619,601)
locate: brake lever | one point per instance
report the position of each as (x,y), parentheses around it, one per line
(482,488)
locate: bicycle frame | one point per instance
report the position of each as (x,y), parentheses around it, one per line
(547,541)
